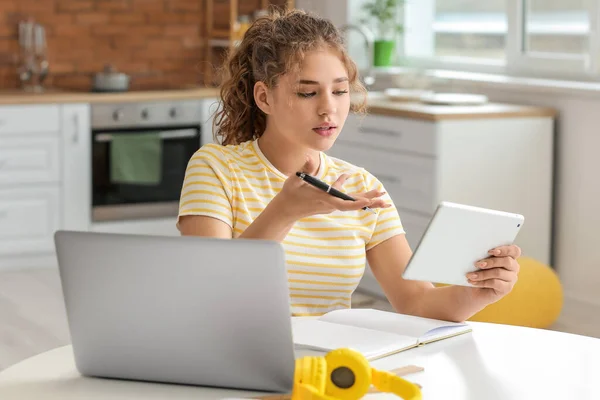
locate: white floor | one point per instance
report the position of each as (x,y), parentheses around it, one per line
(32,314)
(33,319)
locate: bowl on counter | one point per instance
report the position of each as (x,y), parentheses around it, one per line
(398,94)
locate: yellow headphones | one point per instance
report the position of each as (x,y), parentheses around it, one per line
(345,374)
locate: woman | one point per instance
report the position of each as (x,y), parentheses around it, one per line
(284,103)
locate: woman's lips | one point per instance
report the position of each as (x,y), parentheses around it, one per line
(325,131)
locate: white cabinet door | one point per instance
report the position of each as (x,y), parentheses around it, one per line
(24,119)
(76,166)
(414,225)
(28,220)
(409,180)
(393,133)
(29,159)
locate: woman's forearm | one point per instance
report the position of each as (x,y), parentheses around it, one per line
(448,303)
(271,224)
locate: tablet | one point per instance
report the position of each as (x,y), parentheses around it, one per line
(456,238)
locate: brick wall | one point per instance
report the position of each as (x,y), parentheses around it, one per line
(158,42)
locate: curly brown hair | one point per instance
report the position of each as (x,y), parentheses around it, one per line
(274,45)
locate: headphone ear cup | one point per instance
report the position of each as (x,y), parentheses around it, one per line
(311,371)
(348,374)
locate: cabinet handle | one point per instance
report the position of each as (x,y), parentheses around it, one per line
(380,132)
(388,178)
(76,130)
(176,134)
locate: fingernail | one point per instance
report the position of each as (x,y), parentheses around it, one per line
(472,276)
(481,264)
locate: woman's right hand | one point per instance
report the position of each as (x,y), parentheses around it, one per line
(298,199)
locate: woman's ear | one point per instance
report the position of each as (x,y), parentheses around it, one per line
(262,97)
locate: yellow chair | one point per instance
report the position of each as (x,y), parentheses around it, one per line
(535,301)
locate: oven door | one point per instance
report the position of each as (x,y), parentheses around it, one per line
(114,200)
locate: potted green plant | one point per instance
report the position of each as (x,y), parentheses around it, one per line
(382,17)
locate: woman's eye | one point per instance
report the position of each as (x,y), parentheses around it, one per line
(306,95)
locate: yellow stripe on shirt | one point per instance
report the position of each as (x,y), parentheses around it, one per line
(325,253)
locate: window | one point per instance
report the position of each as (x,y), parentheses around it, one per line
(470,28)
(556,26)
(553,38)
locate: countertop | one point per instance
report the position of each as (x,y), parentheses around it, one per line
(8,97)
(377,103)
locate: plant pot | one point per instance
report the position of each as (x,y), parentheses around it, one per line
(383,52)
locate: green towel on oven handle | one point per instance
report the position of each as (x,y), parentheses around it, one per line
(136,158)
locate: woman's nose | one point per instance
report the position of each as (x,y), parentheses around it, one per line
(327,105)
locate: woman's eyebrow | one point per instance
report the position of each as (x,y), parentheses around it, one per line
(311,82)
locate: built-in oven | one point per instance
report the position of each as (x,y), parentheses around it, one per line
(168,132)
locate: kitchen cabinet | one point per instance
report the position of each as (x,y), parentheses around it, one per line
(28,219)
(44,179)
(76,166)
(30,119)
(46,172)
(498,157)
(29,159)
(29,183)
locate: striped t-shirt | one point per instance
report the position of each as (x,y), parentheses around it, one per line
(325,254)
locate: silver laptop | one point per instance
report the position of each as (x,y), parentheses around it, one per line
(187,310)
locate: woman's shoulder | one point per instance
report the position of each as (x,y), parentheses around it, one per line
(211,152)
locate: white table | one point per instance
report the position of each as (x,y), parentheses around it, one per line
(492,362)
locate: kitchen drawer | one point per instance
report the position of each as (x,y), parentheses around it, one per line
(28,220)
(414,225)
(417,137)
(29,119)
(29,159)
(409,180)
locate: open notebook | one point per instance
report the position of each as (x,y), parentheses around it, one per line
(373,333)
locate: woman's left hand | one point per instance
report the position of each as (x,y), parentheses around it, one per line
(497,274)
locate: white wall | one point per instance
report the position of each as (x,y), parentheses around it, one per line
(336,10)
(341,12)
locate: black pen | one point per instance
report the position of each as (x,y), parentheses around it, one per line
(311,180)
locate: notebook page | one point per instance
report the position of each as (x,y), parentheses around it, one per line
(385,321)
(443,332)
(326,336)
